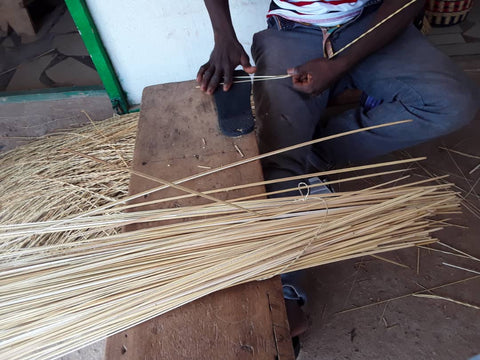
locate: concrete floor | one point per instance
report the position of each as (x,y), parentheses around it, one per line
(384,321)
(54,57)
(408,327)
(23,121)
(404,328)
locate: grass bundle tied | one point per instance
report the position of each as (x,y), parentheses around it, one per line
(95,281)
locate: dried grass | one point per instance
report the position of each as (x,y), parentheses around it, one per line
(42,181)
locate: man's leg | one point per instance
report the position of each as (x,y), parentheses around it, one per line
(415,81)
(284,116)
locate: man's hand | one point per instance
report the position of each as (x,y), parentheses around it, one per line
(316,75)
(319,74)
(225,57)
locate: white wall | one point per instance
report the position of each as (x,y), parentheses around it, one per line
(159,41)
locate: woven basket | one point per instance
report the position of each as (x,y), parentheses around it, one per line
(447,12)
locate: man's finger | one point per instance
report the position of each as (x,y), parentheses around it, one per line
(227,78)
(247,67)
(305,88)
(292,71)
(250,69)
(302,79)
(201,71)
(207,75)
(303,82)
(214,81)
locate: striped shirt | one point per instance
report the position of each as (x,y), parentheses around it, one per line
(323,13)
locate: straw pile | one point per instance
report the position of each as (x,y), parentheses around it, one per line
(90,282)
(43,180)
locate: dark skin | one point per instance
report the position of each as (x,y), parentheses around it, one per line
(227,54)
(312,77)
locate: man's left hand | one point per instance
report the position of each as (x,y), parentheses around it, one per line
(316,75)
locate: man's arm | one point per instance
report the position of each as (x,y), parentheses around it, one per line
(227,53)
(319,74)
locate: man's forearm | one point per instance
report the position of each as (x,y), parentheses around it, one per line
(382,35)
(219,12)
(319,74)
(227,53)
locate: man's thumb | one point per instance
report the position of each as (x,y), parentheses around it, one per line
(245,62)
(293,71)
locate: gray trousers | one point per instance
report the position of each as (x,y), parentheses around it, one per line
(413,79)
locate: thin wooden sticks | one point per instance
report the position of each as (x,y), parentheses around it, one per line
(263,183)
(68,296)
(458,251)
(244,161)
(71,292)
(39,182)
(373,28)
(408,295)
(461,268)
(436,297)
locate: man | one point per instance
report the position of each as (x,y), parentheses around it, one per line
(401,74)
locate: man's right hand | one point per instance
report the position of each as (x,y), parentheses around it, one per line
(225,57)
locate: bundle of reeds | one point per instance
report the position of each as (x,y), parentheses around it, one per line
(67,296)
(94,282)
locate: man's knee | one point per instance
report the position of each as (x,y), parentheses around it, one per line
(460,106)
(268,50)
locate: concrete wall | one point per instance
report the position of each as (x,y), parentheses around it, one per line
(160,41)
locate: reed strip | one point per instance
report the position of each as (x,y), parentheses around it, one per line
(461,268)
(408,295)
(373,28)
(239,163)
(436,297)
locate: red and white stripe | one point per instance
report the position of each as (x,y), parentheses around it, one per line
(318,12)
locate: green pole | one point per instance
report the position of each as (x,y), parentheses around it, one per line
(86,26)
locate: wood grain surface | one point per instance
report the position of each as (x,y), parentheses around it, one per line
(178,136)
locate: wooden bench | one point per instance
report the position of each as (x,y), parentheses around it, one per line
(178,136)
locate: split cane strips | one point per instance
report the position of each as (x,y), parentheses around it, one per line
(63,296)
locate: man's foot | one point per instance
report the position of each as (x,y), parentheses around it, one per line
(319,187)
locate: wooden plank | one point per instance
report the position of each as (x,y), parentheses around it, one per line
(446,39)
(178,136)
(440,30)
(17,17)
(3,27)
(461,49)
(473,32)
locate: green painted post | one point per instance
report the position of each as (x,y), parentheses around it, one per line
(86,26)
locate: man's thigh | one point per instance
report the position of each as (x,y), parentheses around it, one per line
(285,116)
(276,50)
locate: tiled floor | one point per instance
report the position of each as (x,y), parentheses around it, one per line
(461,39)
(56,57)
